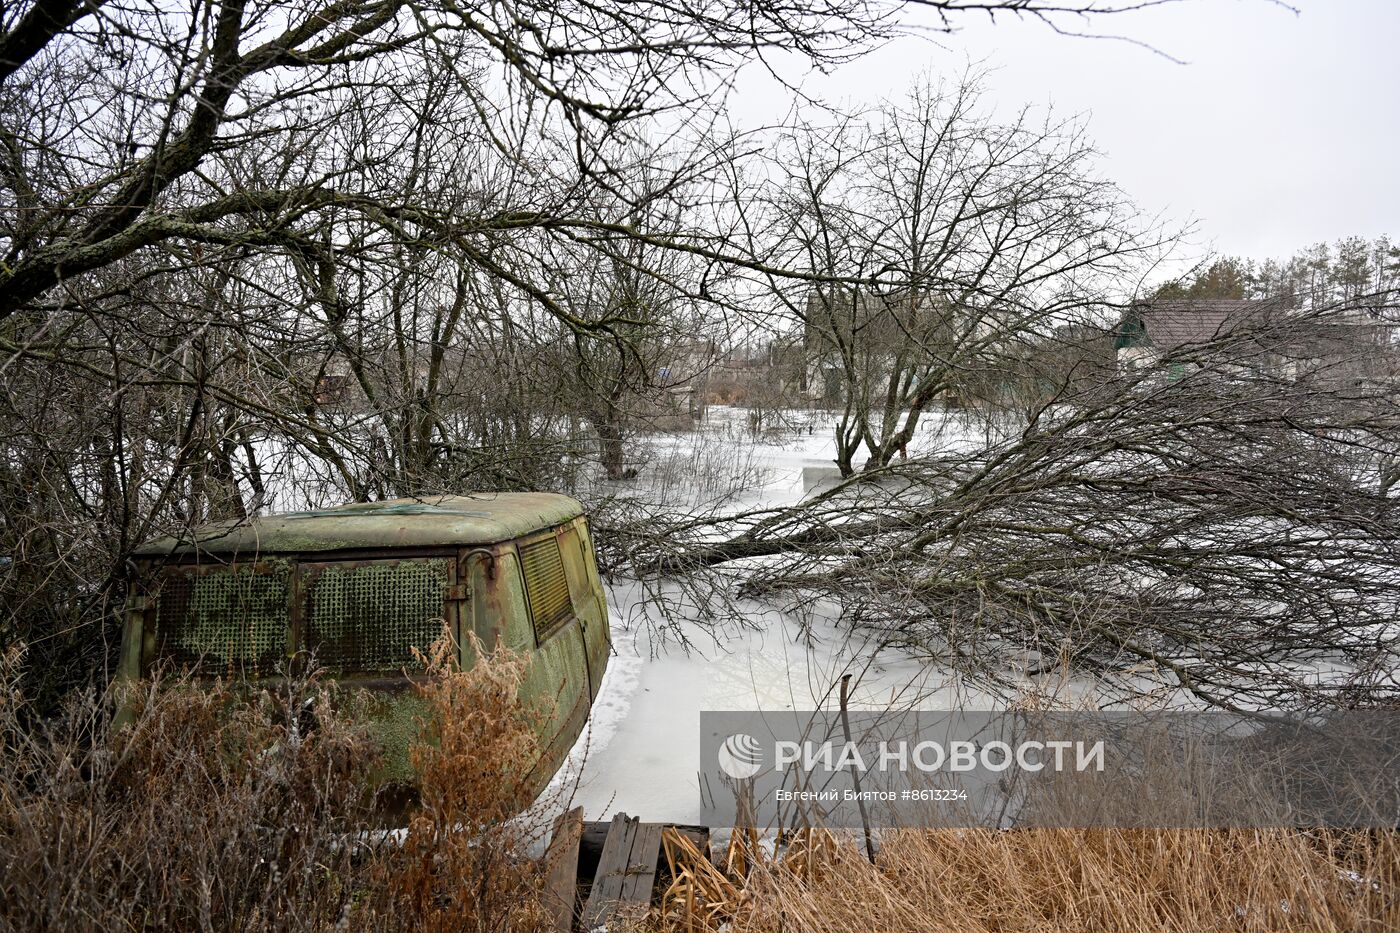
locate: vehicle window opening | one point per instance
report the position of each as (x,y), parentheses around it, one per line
(546,586)
(223,620)
(367,617)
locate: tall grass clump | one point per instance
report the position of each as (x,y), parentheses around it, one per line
(971,881)
(218,808)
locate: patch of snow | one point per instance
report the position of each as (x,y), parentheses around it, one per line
(643,757)
(641,754)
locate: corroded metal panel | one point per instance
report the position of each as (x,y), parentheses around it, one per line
(368,616)
(592,608)
(394,719)
(557,676)
(224,619)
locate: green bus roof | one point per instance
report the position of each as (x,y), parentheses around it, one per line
(439,521)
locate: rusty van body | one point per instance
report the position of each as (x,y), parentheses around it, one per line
(354,589)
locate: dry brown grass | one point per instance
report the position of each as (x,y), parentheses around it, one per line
(217,810)
(213,811)
(1044,879)
(463,865)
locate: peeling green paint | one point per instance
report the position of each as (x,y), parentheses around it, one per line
(394,721)
(374,602)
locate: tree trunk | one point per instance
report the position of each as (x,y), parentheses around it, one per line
(610,447)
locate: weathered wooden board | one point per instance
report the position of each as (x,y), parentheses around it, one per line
(612,871)
(590,848)
(561,882)
(626,869)
(641,866)
(618,862)
(595,833)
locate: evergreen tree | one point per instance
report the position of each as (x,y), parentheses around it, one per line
(1321,274)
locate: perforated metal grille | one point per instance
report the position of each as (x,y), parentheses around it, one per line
(367,617)
(546,585)
(224,620)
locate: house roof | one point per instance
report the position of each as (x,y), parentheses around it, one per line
(1171,323)
(441,521)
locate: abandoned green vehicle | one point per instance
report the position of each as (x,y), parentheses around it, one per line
(353,590)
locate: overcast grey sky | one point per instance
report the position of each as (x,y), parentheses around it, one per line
(1279,131)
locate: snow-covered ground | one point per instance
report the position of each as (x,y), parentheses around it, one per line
(641,751)
(640,754)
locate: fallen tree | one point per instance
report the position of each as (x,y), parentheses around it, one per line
(1221,523)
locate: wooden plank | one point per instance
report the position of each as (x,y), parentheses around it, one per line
(641,866)
(562,861)
(596,833)
(612,871)
(627,866)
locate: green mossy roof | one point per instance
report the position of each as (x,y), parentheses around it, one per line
(444,521)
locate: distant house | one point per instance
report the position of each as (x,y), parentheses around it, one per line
(335,383)
(1261,336)
(674,398)
(1153,330)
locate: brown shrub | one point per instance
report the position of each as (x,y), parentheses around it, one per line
(210,811)
(217,809)
(464,863)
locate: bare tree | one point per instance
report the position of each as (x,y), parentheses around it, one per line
(947,243)
(214,218)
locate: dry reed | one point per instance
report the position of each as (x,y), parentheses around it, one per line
(1041,879)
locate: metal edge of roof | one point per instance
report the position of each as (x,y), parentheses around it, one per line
(472,520)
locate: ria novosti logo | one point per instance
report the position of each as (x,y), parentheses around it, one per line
(741,757)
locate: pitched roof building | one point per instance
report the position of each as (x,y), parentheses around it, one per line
(1167,325)
(1259,335)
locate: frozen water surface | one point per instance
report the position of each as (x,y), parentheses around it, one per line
(640,754)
